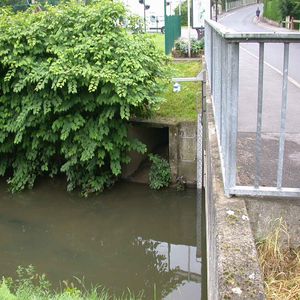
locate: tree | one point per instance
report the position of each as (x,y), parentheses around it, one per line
(290,8)
(184,17)
(70,79)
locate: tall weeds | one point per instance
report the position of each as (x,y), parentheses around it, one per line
(280,264)
(31,286)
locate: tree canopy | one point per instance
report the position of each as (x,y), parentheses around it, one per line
(71,76)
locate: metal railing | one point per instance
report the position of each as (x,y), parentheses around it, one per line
(222,54)
(229,5)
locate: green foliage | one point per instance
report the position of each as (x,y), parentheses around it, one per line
(271,10)
(19,5)
(277,10)
(160,172)
(290,8)
(181,47)
(31,285)
(70,79)
(184,17)
(182,106)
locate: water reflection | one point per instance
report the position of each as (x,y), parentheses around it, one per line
(127,237)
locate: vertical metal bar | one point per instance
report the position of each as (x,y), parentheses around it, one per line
(218,90)
(211,59)
(189,263)
(169,256)
(283,115)
(199,152)
(232,115)
(224,95)
(213,72)
(259,115)
(204,124)
(201,136)
(189,27)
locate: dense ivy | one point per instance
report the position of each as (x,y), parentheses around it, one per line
(70,78)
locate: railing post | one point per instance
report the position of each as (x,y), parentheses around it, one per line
(283,115)
(232,116)
(224,87)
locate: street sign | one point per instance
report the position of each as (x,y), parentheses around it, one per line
(201,11)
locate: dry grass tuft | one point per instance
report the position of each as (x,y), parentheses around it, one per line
(280,265)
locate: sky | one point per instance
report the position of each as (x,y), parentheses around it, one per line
(156,6)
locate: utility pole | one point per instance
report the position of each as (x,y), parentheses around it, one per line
(145,8)
(145,27)
(189,26)
(179,7)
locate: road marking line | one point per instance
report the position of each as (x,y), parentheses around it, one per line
(291,80)
(221,17)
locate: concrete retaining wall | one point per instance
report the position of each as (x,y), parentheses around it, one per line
(182,141)
(232,263)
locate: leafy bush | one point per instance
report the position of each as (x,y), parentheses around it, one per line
(272,11)
(70,78)
(160,172)
(197,46)
(181,47)
(30,285)
(277,10)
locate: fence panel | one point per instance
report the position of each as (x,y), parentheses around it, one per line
(172,32)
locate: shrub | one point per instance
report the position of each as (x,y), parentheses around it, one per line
(181,47)
(271,10)
(160,172)
(70,78)
(277,10)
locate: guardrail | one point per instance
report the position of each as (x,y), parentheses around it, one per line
(222,51)
(229,5)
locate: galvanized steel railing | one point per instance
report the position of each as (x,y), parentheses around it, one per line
(222,59)
(229,5)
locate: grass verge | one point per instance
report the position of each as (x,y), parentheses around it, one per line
(182,106)
(280,265)
(179,106)
(159,41)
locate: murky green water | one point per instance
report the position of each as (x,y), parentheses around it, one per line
(129,236)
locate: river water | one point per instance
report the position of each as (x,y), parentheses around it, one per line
(128,237)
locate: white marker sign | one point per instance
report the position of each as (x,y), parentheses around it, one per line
(201,11)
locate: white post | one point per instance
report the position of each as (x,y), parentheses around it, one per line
(179,7)
(189,26)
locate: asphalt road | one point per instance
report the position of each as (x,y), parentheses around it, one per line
(244,20)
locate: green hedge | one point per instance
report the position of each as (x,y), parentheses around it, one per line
(70,78)
(277,10)
(272,10)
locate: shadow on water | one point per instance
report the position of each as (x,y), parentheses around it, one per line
(129,236)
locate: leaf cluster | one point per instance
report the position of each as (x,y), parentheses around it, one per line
(181,46)
(71,76)
(160,172)
(31,285)
(290,8)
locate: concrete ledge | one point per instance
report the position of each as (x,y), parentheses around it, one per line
(233,268)
(271,22)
